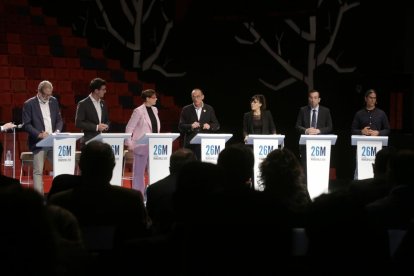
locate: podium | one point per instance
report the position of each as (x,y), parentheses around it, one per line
(318,157)
(262,146)
(160,150)
(367,148)
(116,141)
(211,145)
(64,151)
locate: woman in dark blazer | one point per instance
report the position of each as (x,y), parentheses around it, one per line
(258,120)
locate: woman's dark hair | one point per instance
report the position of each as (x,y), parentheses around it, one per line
(261,99)
(147,94)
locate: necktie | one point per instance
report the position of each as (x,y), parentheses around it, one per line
(313,121)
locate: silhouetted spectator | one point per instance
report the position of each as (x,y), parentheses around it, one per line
(63,182)
(159,194)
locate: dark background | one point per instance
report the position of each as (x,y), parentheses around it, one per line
(375,37)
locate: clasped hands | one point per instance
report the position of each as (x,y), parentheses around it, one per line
(197,125)
(369,132)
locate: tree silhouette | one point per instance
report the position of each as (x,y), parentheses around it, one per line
(137,15)
(318,50)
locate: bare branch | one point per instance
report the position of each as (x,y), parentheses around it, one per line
(151,59)
(165,73)
(147,14)
(112,31)
(127,12)
(281,85)
(327,49)
(296,29)
(333,63)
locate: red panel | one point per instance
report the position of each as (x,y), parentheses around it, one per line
(62,73)
(4,85)
(13,38)
(14,48)
(4,72)
(146,86)
(43,50)
(44,61)
(36,11)
(112,99)
(67,99)
(47,73)
(76,74)
(115,114)
(65,32)
(4,60)
(89,74)
(113,64)
(131,76)
(17,72)
(6,98)
(64,86)
(18,85)
(73,63)
(59,62)
(19,99)
(6,113)
(51,21)
(16,60)
(97,53)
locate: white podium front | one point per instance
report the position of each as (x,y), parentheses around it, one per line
(116,141)
(367,148)
(211,145)
(262,146)
(318,157)
(160,150)
(64,150)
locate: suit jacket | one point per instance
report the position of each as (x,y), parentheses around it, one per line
(267,121)
(138,125)
(33,119)
(189,116)
(324,122)
(87,118)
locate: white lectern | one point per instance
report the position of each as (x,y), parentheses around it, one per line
(160,150)
(211,145)
(262,146)
(367,148)
(64,151)
(116,141)
(318,157)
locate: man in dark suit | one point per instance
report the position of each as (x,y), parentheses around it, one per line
(6,181)
(313,119)
(197,117)
(92,113)
(41,117)
(160,193)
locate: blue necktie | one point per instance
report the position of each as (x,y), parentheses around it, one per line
(313,121)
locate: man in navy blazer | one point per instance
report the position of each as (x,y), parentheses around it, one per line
(92,113)
(41,117)
(197,117)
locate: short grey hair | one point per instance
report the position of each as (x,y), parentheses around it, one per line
(44,83)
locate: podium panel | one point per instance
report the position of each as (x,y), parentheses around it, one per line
(160,150)
(211,145)
(262,146)
(64,151)
(116,141)
(367,148)
(318,158)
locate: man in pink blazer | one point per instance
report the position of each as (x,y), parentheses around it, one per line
(144,119)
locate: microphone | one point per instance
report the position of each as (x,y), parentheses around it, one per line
(19,126)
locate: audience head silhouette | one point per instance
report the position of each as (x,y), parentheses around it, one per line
(96,162)
(237,161)
(179,158)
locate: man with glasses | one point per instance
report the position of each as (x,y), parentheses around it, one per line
(41,117)
(197,117)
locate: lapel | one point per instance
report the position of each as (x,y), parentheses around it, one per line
(308,117)
(39,112)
